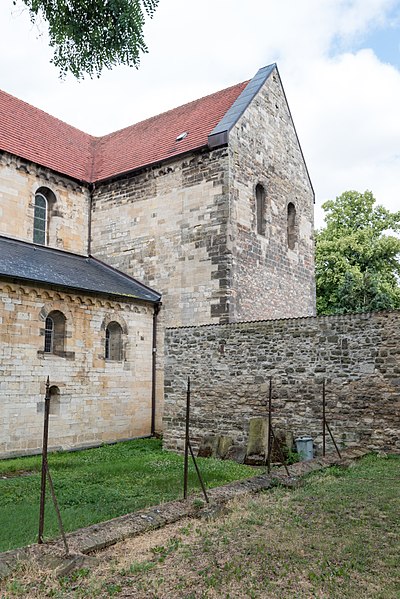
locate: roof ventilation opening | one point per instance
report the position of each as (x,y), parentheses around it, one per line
(181,136)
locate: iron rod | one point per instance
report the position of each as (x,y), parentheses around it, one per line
(44,461)
(334,442)
(198,473)
(60,524)
(186,462)
(278,445)
(269,426)
(323,420)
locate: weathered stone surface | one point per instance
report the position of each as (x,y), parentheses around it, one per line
(208,447)
(362,404)
(257,442)
(100,401)
(69,217)
(224,444)
(236,453)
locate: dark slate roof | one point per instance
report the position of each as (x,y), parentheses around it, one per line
(41,264)
(219,135)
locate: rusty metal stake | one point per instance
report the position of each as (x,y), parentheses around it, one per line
(323,420)
(60,524)
(44,461)
(188,447)
(271,435)
(325,425)
(278,445)
(199,474)
(46,473)
(186,462)
(269,426)
(334,442)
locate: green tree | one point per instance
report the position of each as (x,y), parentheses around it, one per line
(357,256)
(90,35)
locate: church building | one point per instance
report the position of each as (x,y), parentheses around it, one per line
(200,215)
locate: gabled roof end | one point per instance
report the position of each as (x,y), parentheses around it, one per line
(220,134)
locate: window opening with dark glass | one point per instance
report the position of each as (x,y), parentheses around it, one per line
(113,345)
(54,333)
(260,209)
(48,335)
(40,220)
(291,226)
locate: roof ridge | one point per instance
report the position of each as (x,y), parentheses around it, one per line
(33,107)
(170,110)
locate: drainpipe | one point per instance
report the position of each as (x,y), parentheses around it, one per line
(89,244)
(157,308)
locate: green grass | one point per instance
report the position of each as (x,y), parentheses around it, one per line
(96,485)
(336,536)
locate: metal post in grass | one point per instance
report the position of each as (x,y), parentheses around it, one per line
(269,448)
(188,447)
(272,440)
(44,461)
(323,420)
(186,462)
(326,425)
(46,473)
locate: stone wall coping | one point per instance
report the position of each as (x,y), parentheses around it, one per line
(316,318)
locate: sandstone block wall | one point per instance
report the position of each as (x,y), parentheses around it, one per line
(167,226)
(230,367)
(99,400)
(269,280)
(68,218)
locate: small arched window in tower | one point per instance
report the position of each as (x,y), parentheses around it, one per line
(113,347)
(54,333)
(291,226)
(54,400)
(40,219)
(260,209)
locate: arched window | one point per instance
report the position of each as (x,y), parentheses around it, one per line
(113,346)
(45,201)
(54,333)
(291,226)
(260,209)
(54,400)
(40,219)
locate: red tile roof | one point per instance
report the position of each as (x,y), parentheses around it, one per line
(32,134)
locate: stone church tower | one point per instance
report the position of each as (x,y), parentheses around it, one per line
(215,210)
(205,211)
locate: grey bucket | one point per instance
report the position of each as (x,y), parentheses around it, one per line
(304,446)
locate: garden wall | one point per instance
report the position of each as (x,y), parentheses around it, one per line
(230,367)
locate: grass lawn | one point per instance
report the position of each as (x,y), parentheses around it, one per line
(96,485)
(335,537)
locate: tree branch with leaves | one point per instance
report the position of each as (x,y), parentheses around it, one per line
(357,256)
(88,36)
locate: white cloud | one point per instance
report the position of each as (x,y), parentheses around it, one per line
(344,102)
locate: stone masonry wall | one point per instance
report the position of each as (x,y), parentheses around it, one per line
(230,367)
(100,400)
(269,279)
(167,226)
(68,218)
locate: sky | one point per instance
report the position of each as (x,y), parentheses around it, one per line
(339,61)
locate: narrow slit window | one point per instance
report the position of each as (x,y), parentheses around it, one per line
(260,209)
(48,335)
(291,226)
(40,220)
